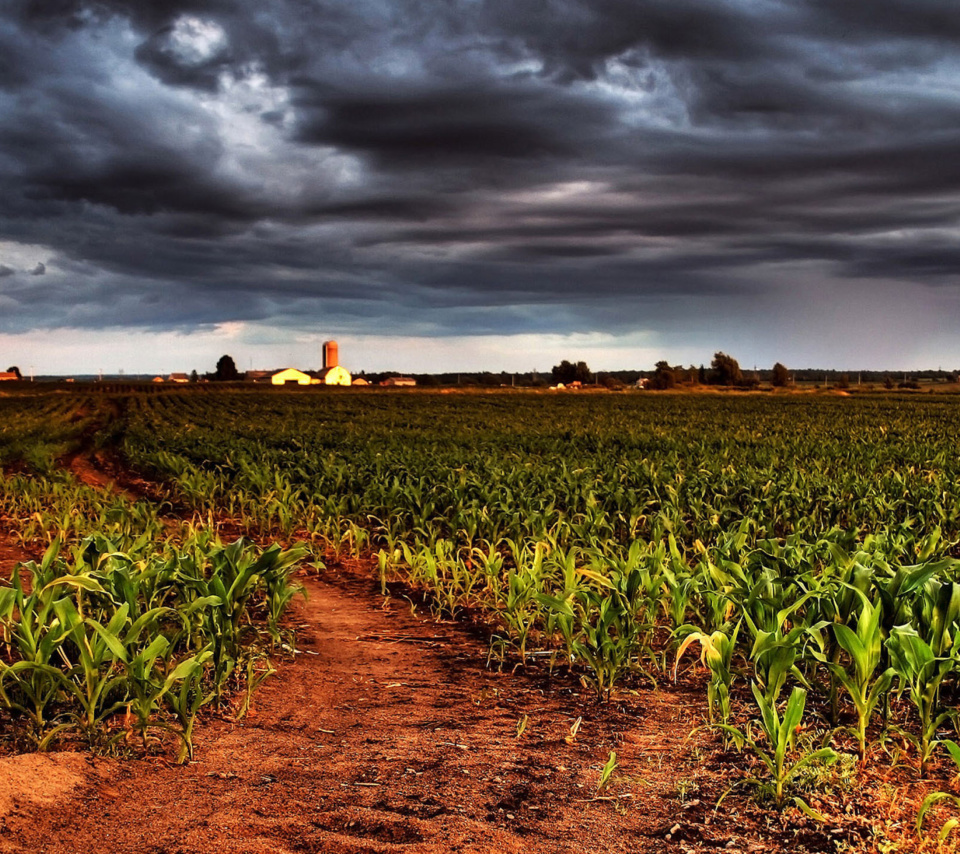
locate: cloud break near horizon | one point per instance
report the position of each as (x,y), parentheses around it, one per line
(479,185)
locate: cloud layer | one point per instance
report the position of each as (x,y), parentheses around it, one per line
(427,168)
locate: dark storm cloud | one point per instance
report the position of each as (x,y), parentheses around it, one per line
(6,271)
(451,125)
(198,161)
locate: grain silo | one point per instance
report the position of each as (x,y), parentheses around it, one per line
(330,355)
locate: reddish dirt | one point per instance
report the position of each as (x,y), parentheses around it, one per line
(96,471)
(388,734)
(11,552)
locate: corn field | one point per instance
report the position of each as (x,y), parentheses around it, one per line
(804,551)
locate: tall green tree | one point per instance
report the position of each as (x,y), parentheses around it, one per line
(226,369)
(566,372)
(726,369)
(781,376)
(664,376)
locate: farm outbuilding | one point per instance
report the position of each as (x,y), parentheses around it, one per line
(291,376)
(337,375)
(178,378)
(399,381)
(8,375)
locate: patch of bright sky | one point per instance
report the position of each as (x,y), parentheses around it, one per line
(195,41)
(259,346)
(850,334)
(644,87)
(23,257)
(257,154)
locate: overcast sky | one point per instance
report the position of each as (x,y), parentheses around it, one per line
(464,184)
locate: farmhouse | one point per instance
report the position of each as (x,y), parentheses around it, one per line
(291,376)
(178,378)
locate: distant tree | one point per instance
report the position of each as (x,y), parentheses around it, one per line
(226,370)
(664,376)
(13,369)
(566,372)
(726,369)
(562,373)
(781,376)
(194,376)
(888,381)
(702,375)
(843,381)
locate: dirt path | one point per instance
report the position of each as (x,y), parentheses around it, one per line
(386,734)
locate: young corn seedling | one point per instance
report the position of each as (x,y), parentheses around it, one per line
(864,648)
(522,725)
(520,609)
(780,733)
(189,698)
(716,652)
(607,773)
(774,656)
(922,673)
(95,679)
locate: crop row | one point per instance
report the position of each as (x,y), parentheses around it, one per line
(806,548)
(129,625)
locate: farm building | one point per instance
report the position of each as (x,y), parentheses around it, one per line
(259,376)
(361,381)
(291,376)
(335,375)
(178,378)
(332,373)
(8,375)
(399,381)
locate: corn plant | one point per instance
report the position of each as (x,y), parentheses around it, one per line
(921,673)
(716,652)
(779,741)
(863,685)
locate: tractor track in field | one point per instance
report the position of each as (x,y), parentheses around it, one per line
(388,733)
